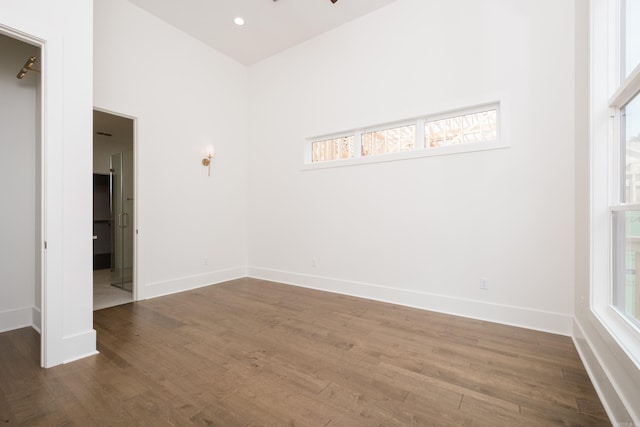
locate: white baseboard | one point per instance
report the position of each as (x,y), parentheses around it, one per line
(515,316)
(158,289)
(15,319)
(615,403)
(36,319)
(79,346)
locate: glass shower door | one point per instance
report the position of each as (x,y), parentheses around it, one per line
(122,230)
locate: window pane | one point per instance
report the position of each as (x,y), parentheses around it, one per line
(631,152)
(626,244)
(631,35)
(394,140)
(333,149)
(475,127)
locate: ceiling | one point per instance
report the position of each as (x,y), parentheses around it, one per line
(270,27)
(120,128)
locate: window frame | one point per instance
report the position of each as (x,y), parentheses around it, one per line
(419,150)
(610,92)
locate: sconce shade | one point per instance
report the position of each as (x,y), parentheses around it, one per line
(206,161)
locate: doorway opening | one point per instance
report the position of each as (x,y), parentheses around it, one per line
(21,222)
(113,210)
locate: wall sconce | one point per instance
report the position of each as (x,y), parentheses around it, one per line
(207,160)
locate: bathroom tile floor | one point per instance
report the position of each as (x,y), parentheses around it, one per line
(104,294)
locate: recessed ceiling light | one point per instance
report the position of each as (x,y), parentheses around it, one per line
(238,21)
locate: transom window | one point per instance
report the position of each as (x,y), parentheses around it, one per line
(469,129)
(474,127)
(394,140)
(333,149)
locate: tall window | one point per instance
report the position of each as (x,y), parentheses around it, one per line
(626,207)
(630,26)
(616,170)
(626,215)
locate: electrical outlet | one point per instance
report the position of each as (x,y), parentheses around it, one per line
(206,261)
(314,262)
(484,283)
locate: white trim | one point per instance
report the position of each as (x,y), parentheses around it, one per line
(602,379)
(76,346)
(622,331)
(480,108)
(15,318)
(391,125)
(558,323)
(408,155)
(181,284)
(136,209)
(420,142)
(625,208)
(36,319)
(357,144)
(629,88)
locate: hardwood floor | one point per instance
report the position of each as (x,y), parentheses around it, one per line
(255,353)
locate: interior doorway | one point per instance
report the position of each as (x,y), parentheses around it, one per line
(21,253)
(113,210)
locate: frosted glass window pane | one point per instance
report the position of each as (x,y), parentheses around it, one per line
(631,115)
(626,244)
(333,149)
(395,140)
(631,35)
(474,127)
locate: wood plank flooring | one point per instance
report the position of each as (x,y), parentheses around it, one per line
(255,353)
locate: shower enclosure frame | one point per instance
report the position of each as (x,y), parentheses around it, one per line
(121,196)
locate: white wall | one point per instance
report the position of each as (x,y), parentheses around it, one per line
(64,28)
(104,147)
(18,175)
(185,96)
(423,232)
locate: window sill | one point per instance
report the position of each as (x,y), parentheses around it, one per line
(408,155)
(621,331)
